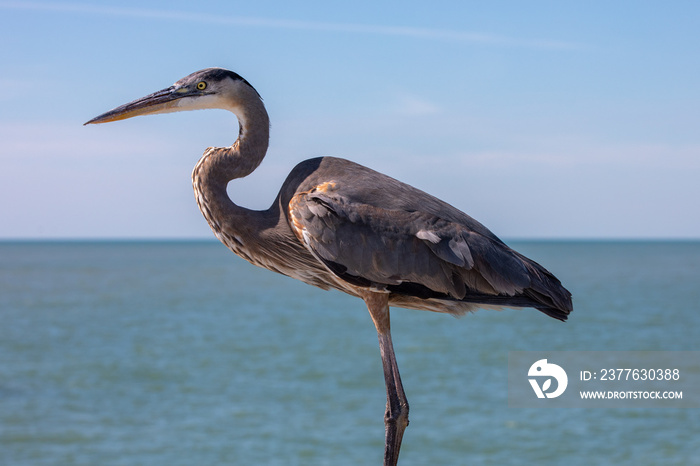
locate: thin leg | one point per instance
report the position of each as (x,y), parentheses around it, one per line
(396,416)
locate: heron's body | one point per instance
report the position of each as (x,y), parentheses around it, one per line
(337,224)
(373,237)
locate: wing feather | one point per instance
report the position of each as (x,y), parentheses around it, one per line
(363,243)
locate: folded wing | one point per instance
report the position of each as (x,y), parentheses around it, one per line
(419,253)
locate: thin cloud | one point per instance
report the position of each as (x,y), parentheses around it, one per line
(414,106)
(608,156)
(404,31)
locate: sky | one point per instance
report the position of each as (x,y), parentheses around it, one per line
(543,119)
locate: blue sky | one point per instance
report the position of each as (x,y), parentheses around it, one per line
(540,119)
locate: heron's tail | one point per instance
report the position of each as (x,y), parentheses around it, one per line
(545,293)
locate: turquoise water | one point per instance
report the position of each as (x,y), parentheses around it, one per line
(179,353)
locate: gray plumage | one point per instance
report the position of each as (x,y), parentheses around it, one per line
(337,224)
(387,235)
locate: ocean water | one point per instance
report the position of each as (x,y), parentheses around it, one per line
(180,353)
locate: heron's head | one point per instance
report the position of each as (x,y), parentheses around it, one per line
(208,88)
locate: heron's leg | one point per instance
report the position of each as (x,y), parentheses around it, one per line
(396,416)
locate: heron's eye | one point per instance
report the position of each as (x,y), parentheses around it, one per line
(201,85)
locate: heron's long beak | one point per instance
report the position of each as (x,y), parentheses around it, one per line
(163,101)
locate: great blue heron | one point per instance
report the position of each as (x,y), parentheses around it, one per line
(337,224)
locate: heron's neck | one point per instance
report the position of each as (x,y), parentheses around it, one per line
(219,165)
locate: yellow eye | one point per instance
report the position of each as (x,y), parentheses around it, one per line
(201,85)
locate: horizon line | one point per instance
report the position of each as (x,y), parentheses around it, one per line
(184,239)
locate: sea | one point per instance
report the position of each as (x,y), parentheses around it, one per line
(180,353)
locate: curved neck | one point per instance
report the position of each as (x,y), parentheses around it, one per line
(223,164)
(219,165)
